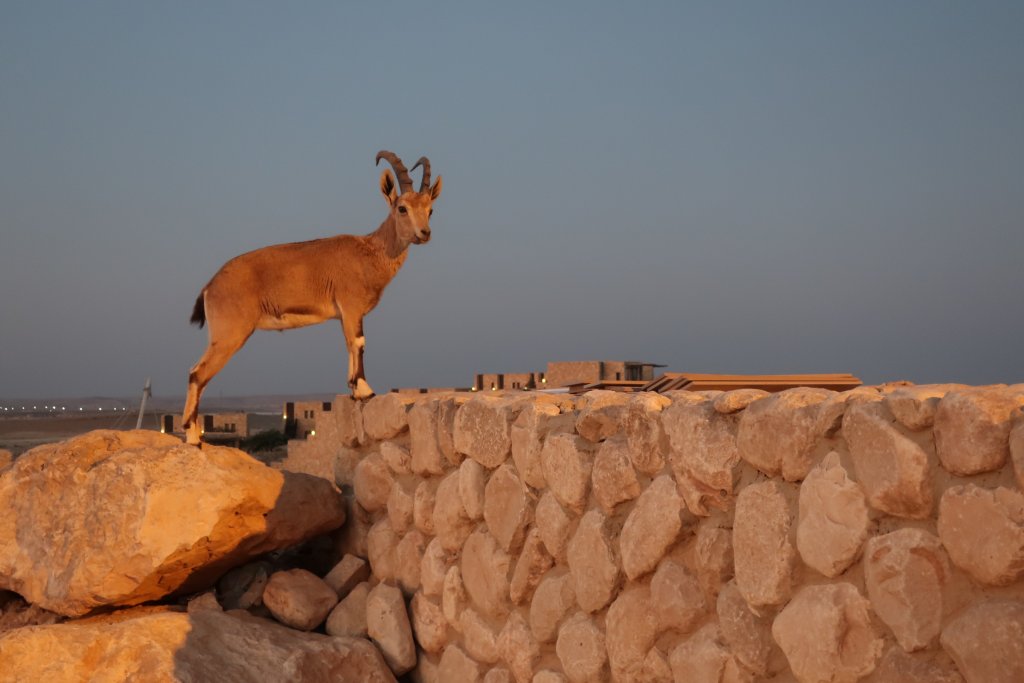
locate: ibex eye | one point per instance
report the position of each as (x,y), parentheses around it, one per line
(402,209)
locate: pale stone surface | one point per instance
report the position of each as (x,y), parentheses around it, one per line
(826,634)
(400,507)
(299,598)
(736,400)
(528,433)
(897,666)
(162,645)
(347,574)
(518,648)
(533,563)
(423,501)
(600,414)
(408,561)
(552,600)
(567,463)
(704,455)
(677,600)
(592,562)
(352,536)
(914,407)
(397,457)
(499,674)
(972,429)
(453,597)
(507,508)
(451,522)
(703,658)
(1017,447)
(613,477)
(485,571)
(428,623)
(387,623)
(472,482)
(905,572)
(348,618)
(986,641)
(124,517)
(372,483)
(832,410)
(645,436)
(581,649)
(777,433)
(892,469)
(553,523)
(433,567)
(6,458)
(386,416)
(631,629)
(424,446)
(651,528)
(762,548)
(380,549)
(549,676)
(996,555)
(834,521)
(713,555)
(456,665)
(447,410)
(483,430)
(348,416)
(479,639)
(748,635)
(242,587)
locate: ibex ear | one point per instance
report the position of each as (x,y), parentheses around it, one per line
(387,187)
(435,190)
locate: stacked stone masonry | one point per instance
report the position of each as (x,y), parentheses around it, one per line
(873,535)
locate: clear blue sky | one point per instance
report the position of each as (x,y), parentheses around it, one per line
(733,187)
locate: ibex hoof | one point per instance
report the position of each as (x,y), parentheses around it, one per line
(362,391)
(193,437)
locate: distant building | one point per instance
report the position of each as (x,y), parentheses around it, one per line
(566,373)
(233,425)
(300,417)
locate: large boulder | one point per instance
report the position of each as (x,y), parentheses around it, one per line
(160,645)
(121,518)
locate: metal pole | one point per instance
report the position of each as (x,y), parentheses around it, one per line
(146,393)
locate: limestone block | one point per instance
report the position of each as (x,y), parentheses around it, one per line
(485,571)
(347,574)
(592,562)
(348,417)
(897,666)
(456,665)
(826,634)
(380,549)
(703,658)
(424,446)
(451,521)
(434,566)
(645,436)
(386,416)
(581,650)
(533,563)
(483,430)
(832,410)
(713,555)
(777,433)
(677,600)
(651,528)
(972,429)
(549,676)
(518,648)
(345,461)
(1017,447)
(892,469)
(242,587)
(553,523)
(833,523)
(423,501)
(528,433)
(914,407)
(507,508)
(472,480)
(567,464)
(987,641)
(428,623)
(600,414)
(983,532)
(408,560)
(372,483)
(397,457)
(736,400)
(348,618)
(352,536)
(704,456)
(905,572)
(299,598)
(479,639)
(747,634)
(613,477)
(400,507)
(631,628)
(762,548)
(387,624)
(499,674)
(447,410)
(553,599)
(453,597)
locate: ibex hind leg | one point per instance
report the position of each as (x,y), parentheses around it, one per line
(356,342)
(217,355)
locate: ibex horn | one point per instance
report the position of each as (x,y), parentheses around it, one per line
(404,181)
(425,163)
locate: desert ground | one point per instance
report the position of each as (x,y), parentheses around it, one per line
(18,434)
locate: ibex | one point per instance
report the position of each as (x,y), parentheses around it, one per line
(305,283)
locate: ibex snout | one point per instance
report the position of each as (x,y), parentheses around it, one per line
(422,236)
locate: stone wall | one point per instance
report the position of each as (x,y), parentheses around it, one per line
(876,534)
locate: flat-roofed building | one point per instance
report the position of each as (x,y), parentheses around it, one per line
(566,373)
(300,417)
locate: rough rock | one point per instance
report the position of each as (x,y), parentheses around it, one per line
(371,483)
(703,658)
(483,430)
(987,641)
(6,458)
(567,464)
(408,560)
(833,522)
(507,508)
(651,528)
(549,676)
(893,469)
(472,482)
(400,507)
(592,562)
(479,639)
(498,674)
(141,515)
(713,557)
(677,600)
(736,400)
(456,665)
(656,668)
(424,444)
(453,597)
(348,417)
(995,557)
(15,612)
(451,521)
(423,501)
(777,433)
(518,648)
(380,549)
(972,429)
(161,645)
(914,407)
(396,457)
(348,618)
(433,567)
(632,627)
(897,666)
(826,634)
(613,477)
(1017,447)
(600,414)
(528,434)
(485,571)
(299,598)
(553,523)
(645,436)
(832,410)
(347,574)
(581,649)
(532,564)
(748,635)
(387,623)
(386,416)
(428,623)
(242,587)
(552,600)
(704,454)
(761,543)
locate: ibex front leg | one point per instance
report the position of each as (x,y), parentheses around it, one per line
(352,326)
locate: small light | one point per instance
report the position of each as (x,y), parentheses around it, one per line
(543,380)
(313,433)
(162,430)
(101,408)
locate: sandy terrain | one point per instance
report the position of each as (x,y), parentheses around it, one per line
(18,434)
